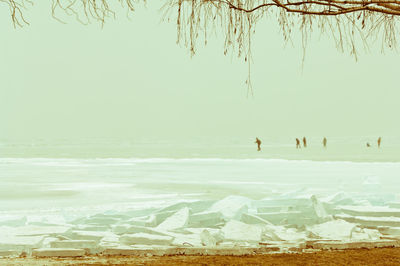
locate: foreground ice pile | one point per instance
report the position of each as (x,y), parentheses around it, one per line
(233,225)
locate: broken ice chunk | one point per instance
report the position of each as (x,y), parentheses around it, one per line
(320,210)
(231,207)
(145,239)
(238,231)
(335,230)
(207,239)
(177,220)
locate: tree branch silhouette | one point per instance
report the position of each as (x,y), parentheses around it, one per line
(348,22)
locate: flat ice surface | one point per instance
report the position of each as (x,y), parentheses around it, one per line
(34,185)
(338,149)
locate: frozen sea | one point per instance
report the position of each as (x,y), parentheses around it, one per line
(90,176)
(220,193)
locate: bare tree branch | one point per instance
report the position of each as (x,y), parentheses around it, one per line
(349,22)
(16,7)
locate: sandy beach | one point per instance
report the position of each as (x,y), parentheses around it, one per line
(378,256)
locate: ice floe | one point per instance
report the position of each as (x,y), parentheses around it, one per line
(232,225)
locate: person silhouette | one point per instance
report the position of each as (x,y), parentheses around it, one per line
(324,141)
(304,142)
(297,143)
(379,142)
(258,141)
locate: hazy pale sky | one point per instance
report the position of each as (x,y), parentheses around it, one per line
(130,79)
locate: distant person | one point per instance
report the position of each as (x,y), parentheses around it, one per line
(379,142)
(258,141)
(324,141)
(304,142)
(297,143)
(368,145)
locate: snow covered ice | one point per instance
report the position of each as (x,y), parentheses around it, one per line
(72,207)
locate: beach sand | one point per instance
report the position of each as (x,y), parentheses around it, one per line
(377,256)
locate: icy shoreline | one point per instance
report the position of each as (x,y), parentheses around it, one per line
(73,207)
(234,225)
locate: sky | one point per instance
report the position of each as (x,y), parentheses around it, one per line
(131,80)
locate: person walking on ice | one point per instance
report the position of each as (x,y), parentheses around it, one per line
(297,143)
(304,142)
(324,141)
(258,141)
(379,142)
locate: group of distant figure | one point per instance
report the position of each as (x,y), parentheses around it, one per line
(379,143)
(324,143)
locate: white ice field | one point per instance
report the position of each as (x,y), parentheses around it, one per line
(52,207)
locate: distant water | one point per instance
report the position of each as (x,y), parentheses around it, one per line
(339,149)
